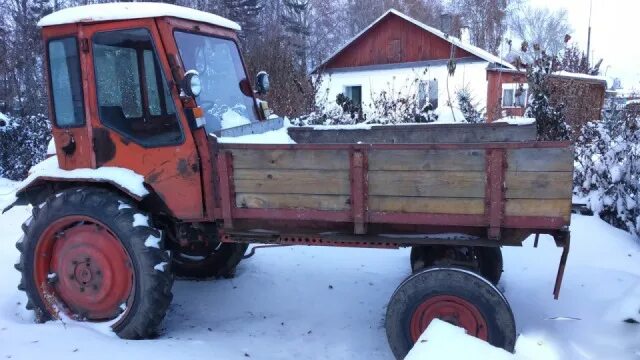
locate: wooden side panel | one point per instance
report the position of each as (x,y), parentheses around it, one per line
(291,159)
(329,182)
(291,179)
(427,160)
(405,204)
(292,201)
(535,207)
(539,185)
(444,184)
(552,159)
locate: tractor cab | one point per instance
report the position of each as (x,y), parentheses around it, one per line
(140,86)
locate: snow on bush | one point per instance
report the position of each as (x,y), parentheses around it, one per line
(607,168)
(471,110)
(23,143)
(550,118)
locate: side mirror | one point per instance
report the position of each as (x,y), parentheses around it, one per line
(262,83)
(191,83)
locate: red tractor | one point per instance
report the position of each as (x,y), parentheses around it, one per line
(143,188)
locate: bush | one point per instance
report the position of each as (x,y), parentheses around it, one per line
(23,143)
(469,107)
(607,169)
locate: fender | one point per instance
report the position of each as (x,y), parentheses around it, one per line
(47,178)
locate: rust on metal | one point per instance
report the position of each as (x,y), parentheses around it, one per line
(565,240)
(495,201)
(225,178)
(359,187)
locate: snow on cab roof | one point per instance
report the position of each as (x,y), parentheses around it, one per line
(127,11)
(483,54)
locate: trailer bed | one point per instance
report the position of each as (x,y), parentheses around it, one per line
(486,189)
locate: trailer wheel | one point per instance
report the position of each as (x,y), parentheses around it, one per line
(219,262)
(486,261)
(457,296)
(90,255)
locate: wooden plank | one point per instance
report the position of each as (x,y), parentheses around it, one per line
(472,206)
(537,207)
(292,201)
(551,159)
(416,134)
(425,160)
(539,185)
(291,159)
(270,181)
(469,184)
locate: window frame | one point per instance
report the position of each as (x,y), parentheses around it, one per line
(257,111)
(53,114)
(514,87)
(143,92)
(344,92)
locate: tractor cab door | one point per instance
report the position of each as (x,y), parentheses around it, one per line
(137,119)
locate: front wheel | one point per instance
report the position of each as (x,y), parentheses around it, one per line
(90,255)
(457,296)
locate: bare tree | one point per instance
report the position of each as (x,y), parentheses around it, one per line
(486,19)
(541,28)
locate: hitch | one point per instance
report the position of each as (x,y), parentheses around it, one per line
(252,251)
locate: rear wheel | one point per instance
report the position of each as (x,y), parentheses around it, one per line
(486,261)
(90,255)
(220,261)
(457,296)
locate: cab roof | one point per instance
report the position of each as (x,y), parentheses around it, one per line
(127,11)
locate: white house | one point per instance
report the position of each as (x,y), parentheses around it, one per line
(404,57)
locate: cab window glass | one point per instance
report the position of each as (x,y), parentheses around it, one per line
(133,94)
(66,83)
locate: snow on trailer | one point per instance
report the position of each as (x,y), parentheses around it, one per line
(204,195)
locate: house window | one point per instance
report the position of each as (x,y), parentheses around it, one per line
(514,95)
(355,94)
(428,94)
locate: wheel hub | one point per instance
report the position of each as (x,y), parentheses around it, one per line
(93,272)
(451,309)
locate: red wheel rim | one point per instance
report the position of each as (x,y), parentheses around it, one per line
(82,269)
(451,309)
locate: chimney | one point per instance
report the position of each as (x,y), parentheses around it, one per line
(465,35)
(445,23)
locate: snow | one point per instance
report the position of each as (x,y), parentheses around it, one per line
(140,220)
(51,147)
(279,136)
(4,117)
(483,54)
(231,119)
(161,266)
(449,115)
(125,178)
(152,242)
(125,11)
(280,306)
(517,120)
(580,76)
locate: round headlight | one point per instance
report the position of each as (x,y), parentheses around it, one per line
(195,85)
(191,84)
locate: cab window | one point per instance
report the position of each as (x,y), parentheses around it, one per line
(227,96)
(132,90)
(65,82)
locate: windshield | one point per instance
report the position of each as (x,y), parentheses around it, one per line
(226,96)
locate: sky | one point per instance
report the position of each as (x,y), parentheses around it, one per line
(614,36)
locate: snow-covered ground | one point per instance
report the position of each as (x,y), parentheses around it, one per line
(329,303)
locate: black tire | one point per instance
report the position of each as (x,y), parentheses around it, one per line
(221,262)
(150,295)
(460,283)
(486,261)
